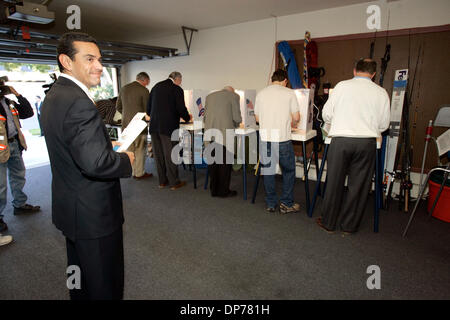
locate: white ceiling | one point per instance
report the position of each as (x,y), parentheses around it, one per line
(125,20)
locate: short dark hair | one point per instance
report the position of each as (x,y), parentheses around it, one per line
(279,75)
(65,45)
(366,65)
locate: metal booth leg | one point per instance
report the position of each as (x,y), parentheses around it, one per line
(376,215)
(316,158)
(206,179)
(258,175)
(319,178)
(305,170)
(258,170)
(244,167)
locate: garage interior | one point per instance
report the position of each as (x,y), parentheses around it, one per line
(186,245)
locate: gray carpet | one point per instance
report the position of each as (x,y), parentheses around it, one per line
(186,245)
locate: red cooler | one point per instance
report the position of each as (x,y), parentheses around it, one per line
(442,209)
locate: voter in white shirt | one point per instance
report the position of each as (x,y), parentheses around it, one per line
(357,112)
(276,110)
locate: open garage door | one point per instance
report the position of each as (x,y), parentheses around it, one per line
(37,47)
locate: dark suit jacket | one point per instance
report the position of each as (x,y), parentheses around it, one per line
(86,194)
(166,107)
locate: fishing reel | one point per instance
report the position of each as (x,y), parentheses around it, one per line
(406,185)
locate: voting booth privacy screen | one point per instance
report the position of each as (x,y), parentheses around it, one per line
(195,102)
(247,104)
(305,98)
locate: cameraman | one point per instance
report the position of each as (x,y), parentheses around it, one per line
(12,142)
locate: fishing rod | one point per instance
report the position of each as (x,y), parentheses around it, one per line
(406,183)
(372,45)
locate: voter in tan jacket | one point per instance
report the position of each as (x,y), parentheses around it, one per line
(132,99)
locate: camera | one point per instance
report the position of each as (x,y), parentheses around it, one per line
(4,89)
(48,86)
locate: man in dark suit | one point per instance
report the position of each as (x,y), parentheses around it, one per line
(222,112)
(86,194)
(165,108)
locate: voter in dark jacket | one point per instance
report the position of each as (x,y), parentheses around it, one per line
(165,107)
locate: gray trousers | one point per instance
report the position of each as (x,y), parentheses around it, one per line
(162,150)
(354,157)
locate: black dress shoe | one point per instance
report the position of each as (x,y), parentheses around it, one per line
(3,225)
(178,186)
(319,223)
(26,208)
(230,194)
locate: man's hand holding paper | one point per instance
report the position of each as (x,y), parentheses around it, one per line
(132,131)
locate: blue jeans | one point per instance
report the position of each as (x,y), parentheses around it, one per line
(283,153)
(16,170)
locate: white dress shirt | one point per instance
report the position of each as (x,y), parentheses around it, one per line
(357,108)
(79,83)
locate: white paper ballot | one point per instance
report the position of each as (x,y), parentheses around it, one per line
(443,143)
(132,131)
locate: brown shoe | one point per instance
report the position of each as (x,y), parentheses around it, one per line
(178,186)
(285,209)
(319,223)
(162,186)
(145,175)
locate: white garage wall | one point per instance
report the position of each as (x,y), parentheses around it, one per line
(241,55)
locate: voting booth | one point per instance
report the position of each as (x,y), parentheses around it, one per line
(247,148)
(305,98)
(192,140)
(247,105)
(195,103)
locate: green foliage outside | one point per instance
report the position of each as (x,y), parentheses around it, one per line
(100,93)
(42,68)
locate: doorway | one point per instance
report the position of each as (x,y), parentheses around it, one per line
(28,80)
